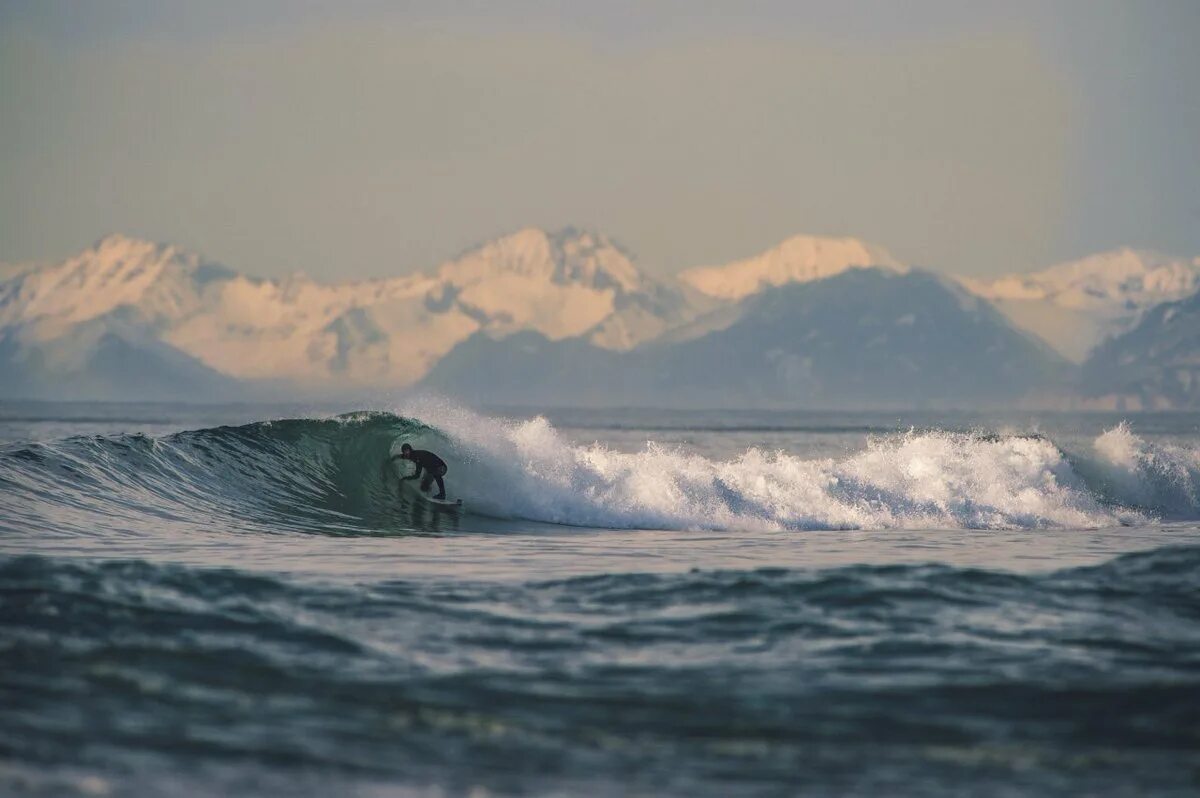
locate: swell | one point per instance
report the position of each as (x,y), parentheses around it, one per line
(327,476)
(124,660)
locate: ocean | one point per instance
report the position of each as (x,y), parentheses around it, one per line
(237,600)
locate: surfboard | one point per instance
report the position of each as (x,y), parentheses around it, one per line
(412,488)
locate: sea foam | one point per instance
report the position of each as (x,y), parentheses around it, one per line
(528,470)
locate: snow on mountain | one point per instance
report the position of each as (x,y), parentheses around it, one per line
(239,326)
(154,319)
(865,337)
(117,271)
(10,270)
(289,330)
(799,259)
(559,284)
(108,357)
(374,332)
(1155,365)
(1076,305)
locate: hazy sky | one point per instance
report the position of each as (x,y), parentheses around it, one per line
(380,137)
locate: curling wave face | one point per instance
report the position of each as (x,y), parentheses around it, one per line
(328,476)
(303,474)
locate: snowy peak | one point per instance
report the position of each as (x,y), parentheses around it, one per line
(117,260)
(571,287)
(1156,365)
(379,332)
(799,259)
(115,272)
(592,259)
(1076,305)
(1120,277)
(560,284)
(566,257)
(865,337)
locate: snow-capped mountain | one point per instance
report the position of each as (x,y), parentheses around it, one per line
(1156,365)
(799,259)
(376,332)
(238,326)
(10,270)
(569,317)
(865,337)
(111,357)
(117,271)
(561,285)
(1075,306)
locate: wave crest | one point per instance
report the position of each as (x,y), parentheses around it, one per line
(327,475)
(1162,478)
(915,480)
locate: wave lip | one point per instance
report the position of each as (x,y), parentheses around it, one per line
(1162,478)
(917,480)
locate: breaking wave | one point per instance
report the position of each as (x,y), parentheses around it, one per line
(328,476)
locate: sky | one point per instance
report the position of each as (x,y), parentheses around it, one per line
(368,138)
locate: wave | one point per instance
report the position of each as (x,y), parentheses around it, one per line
(310,474)
(327,475)
(914,480)
(1163,478)
(751,671)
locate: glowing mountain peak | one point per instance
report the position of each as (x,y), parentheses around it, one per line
(799,259)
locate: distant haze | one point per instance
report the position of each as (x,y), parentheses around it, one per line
(373,141)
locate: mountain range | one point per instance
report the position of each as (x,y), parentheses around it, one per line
(1155,365)
(567,317)
(1078,305)
(862,337)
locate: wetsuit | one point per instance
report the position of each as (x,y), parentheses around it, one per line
(434,468)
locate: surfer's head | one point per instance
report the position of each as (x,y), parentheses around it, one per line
(405,450)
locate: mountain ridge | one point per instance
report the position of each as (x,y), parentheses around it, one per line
(385,331)
(871,337)
(570,285)
(1153,366)
(1077,305)
(798,259)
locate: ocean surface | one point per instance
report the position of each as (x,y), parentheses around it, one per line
(237,600)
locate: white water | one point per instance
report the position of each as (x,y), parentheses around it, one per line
(1162,476)
(928,480)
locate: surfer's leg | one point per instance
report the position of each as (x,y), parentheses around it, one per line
(441,494)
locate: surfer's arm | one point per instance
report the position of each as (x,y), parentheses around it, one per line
(410,476)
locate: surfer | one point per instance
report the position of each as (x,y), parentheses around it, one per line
(433,466)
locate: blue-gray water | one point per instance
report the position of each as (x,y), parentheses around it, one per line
(237,600)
